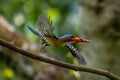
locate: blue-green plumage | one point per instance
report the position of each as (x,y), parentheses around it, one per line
(48,38)
(66,36)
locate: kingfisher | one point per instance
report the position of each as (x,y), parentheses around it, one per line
(48,38)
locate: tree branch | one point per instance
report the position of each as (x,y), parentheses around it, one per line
(59,63)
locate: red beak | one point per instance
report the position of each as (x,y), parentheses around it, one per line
(76,39)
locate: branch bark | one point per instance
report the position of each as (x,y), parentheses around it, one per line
(59,63)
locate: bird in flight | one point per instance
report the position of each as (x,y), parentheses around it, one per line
(48,38)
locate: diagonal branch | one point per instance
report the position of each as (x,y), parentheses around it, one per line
(59,63)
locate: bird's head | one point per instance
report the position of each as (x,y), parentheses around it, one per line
(71,38)
(77,39)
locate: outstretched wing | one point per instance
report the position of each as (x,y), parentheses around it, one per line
(45,27)
(76,54)
(45,30)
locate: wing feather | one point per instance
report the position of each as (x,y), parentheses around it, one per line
(44,26)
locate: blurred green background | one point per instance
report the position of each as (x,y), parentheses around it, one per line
(64,15)
(96,20)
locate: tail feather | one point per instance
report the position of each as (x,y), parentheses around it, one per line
(44,43)
(34,32)
(76,54)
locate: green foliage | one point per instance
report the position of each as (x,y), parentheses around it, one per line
(7,73)
(21,13)
(63,14)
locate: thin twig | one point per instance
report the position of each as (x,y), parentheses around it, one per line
(59,63)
